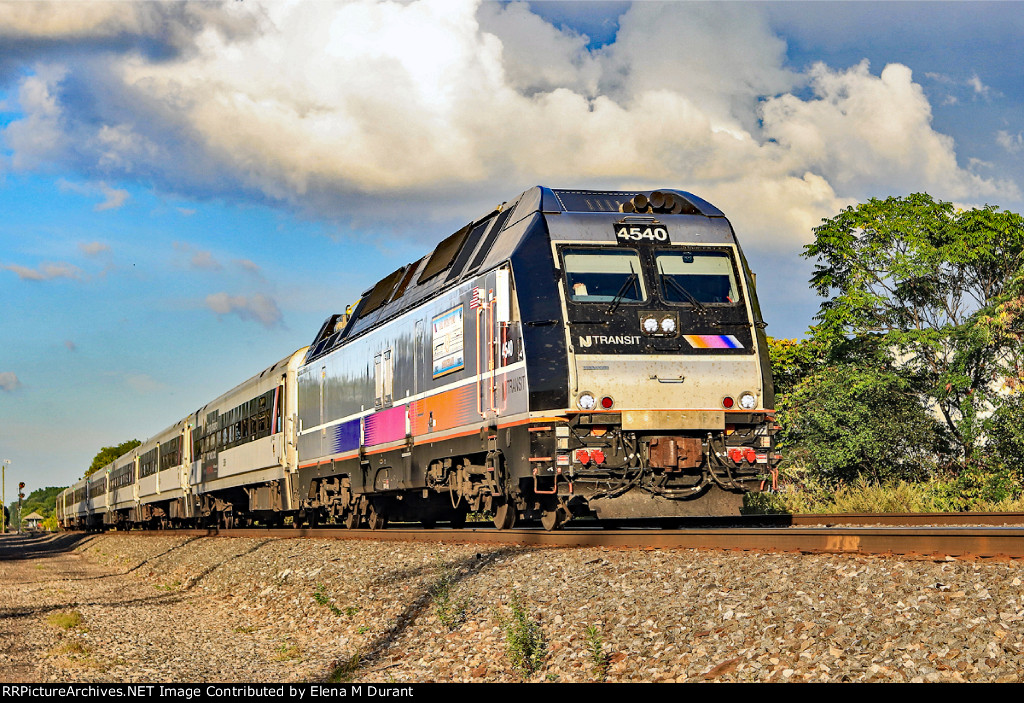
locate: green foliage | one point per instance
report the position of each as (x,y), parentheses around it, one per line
(793,360)
(1004,435)
(524,638)
(848,421)
(913,276)
(345,671)
(598,657)
(321,598)
(934,295)
(450,611)
(42,501)
(971,490)
(65,621)
(109,454)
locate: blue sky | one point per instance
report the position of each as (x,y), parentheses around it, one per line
(189,189)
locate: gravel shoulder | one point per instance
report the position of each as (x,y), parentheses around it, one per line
(187,609)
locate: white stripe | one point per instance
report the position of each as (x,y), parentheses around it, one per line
(436,391)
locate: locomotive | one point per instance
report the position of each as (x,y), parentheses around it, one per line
(572,353)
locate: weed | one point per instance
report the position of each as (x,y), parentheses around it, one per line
(363,629)
(321,597)
(65,621)
(598,657)
(70,647)
(247,630)
(168,587)
(351,611)
(450,611)
(288,651)
(524,639)
(345,671)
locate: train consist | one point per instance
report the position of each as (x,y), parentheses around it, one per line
(572,353)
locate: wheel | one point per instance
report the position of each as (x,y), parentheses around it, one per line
(505,516)
(554,519)
(375,519)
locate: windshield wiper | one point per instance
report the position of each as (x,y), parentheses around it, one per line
(622,291)
(665,278)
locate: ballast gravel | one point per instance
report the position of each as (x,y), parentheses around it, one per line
(189,609)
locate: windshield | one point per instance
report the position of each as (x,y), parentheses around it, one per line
(604,276)
(697,277)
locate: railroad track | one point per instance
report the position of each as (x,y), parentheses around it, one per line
(971,535)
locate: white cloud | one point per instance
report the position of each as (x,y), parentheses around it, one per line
(250,266)
(198,258)
(1013,143)
(114,198)
(93,248)
(9,381)
(441,106)
(865,133)
(258,308)
(45,272)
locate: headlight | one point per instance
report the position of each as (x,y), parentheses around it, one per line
(650,325)
(668,325)
(586,401)
(748,401)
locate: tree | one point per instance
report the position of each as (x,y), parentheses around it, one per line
(793,360)
(927,291)
(109,454)
(41,500)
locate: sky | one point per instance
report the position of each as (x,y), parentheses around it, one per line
(188,189)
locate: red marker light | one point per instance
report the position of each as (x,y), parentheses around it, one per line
(607,402)
(727,402)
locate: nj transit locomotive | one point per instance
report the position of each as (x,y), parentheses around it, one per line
(572,353)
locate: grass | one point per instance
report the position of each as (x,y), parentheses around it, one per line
(524,638)
(65,621)
(74,654)
(345,672)
(288,652)
(863,496)
(450,611)
(72,647)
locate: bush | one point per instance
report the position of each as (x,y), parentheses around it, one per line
(848,422)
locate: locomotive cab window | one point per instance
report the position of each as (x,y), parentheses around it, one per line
(691,277)
(594,276)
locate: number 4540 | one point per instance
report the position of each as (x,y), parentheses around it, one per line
(638,233)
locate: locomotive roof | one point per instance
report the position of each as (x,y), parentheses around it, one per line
(488,241)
